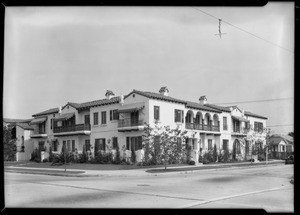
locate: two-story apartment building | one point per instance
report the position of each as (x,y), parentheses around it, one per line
(20,131)
(119,121)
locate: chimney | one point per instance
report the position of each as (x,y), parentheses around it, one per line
(59,109)
(243,112)
(109,94)
(164,91)
(203,100)
(121,99)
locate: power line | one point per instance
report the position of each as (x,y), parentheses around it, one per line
(245,31)
(279,125)
(255,101)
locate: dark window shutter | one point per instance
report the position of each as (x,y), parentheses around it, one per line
(182,116)
(127,143)
(175,115)
(140,142)
(110,115)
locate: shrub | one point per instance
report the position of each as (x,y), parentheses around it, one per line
(103,158)
(215,153)
(191,162)
(118,158)
(36,156)
(224,156)
(60,158)
(83,158)
(208,157)
(45,160)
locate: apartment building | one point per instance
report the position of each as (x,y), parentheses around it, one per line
(119,121)
(21,130)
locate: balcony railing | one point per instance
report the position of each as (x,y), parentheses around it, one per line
(242,130)
(129,123)
(39,131)
(78,127)
(202,127)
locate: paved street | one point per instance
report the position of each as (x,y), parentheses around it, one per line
(256,187)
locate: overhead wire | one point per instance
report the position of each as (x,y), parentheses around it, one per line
(254,101)
(244,30)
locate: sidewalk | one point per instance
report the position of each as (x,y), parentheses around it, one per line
(138,172)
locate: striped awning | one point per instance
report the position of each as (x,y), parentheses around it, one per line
(38,120)
(240,119)
(131,107)
(65,116)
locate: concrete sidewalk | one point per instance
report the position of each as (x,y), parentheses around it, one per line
(138,172)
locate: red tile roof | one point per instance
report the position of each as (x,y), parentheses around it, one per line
(100,102)
(25,126)
(46,112)
(247,113)
(16,120)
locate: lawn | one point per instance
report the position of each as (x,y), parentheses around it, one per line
(86,166)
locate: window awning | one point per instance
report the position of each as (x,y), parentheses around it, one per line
(38,120)
(65,116)
(240,119)
(131,107)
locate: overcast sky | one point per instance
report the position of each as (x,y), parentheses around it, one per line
(55,55)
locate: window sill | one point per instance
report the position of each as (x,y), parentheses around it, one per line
(114,121)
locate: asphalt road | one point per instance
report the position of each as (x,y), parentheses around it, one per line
(257,187)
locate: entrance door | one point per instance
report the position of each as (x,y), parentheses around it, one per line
(236,148)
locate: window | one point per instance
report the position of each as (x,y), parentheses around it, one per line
(54,145)
(113,115)
(73,145)
(136,143)
(238,147)
(103,117)
(87,119)
(99,144)
(64,146)
(96,118)
(225,123)
(178,114)
(247,147)
(22,145)
(156,112)
(68,145)
(51,124)
(258,126)
(42,146)
(225,145)
(115,142)
(210,144)
(87,145)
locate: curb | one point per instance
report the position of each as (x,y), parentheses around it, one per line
(145,173)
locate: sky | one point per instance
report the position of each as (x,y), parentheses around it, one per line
(55,55)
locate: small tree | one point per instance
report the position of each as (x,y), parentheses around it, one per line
(118,158)
(133,156)
(215,153)
(163,144)
(9,144)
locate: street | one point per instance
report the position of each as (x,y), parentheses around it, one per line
(255,187)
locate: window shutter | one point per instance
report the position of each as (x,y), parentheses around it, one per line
(182,116)
(127,143)
(175,115)
(140,142)
(110,115)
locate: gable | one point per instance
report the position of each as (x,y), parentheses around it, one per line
(236,112)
